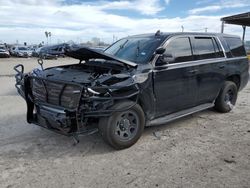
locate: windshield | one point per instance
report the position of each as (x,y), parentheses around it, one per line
(22,48)
(135,49)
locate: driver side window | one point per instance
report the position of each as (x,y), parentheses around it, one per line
(180,49)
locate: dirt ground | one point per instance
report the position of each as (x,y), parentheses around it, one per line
(207,149)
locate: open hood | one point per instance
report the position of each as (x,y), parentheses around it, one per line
(85,54)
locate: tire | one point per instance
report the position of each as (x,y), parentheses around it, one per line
(227,97)
(123,128)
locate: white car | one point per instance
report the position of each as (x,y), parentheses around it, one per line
(22,51)
(4,52)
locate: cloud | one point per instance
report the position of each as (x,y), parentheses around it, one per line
(145,7)
(167,1)
(205,9)
(81,22)
(219,6)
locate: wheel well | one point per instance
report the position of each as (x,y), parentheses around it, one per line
(235,79)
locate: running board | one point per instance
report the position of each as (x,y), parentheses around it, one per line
(180,114)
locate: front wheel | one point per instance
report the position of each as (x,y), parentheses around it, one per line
(123,128)
(227,97)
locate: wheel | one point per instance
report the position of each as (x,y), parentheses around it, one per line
(227,97)
(123,128)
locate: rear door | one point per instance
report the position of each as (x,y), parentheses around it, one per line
(175,84)
(209,65)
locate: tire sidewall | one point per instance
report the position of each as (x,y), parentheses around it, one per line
(107,126)
(220,102)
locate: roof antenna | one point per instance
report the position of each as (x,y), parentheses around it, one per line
(158,33)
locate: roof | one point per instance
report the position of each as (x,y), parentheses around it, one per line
(238,19)
(167,34)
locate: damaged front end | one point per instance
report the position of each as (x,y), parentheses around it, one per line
(70,99)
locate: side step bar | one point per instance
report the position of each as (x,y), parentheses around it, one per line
(180,114)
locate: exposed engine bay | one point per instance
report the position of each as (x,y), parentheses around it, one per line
(68,99)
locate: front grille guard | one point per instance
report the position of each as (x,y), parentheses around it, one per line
(64,84)
(23,88)
(19,78)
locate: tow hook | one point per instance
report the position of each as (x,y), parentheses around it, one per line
(40,62)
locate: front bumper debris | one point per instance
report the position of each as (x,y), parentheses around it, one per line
(73,121)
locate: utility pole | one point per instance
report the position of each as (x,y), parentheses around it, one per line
(46,34)
(49,34)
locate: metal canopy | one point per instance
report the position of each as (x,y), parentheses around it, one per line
(239,19)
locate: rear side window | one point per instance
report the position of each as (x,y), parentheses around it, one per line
(236,46)
(204,48)
(218,49)
(180,48)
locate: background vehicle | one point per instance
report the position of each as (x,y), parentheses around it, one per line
(50,52)
(138,81)
(22,51)
(35,52)
(4,52)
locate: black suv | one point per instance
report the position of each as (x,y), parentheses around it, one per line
(138,81)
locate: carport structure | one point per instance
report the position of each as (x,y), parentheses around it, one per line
(238,19)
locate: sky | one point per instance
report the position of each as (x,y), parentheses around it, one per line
(81,20)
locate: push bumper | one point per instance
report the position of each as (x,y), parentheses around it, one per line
(68,122)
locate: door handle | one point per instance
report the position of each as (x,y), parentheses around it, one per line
(193,71)
(221,66)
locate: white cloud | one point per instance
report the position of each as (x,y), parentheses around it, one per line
(81,22)
(167,1)
(146,7)
(205,9)
(220,5)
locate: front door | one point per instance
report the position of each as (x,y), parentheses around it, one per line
(175,85)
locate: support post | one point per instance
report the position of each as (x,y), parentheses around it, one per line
(222,26)
(244,32)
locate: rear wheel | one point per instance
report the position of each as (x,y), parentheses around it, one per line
(227,97)
(123,129)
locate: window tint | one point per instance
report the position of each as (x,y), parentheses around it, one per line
(204,48)
(180,48)
(236,46)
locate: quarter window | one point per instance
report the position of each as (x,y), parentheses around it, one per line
(180,49)
(204,48)
(236,46)
(218,49)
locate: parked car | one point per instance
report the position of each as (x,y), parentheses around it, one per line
(12,51)
(35,52)
(4,52)
(139,81)
(22,51)
(50,52)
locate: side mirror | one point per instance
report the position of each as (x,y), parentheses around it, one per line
(160,50)
(165,59)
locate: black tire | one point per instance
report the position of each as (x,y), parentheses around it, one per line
(227,97)
(121,123)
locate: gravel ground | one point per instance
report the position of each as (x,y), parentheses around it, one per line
(207,149)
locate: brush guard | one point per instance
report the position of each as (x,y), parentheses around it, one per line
(56,115)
